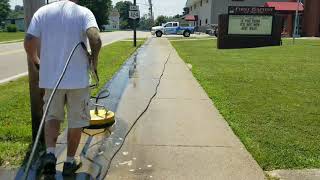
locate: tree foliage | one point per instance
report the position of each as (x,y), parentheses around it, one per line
(164,19)
(17,12)
(123,7)
(4,9)
(145,23)
(100,8)
(160,20)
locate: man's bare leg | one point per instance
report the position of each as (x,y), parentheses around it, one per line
(74,136)
(72,165)
(52,129)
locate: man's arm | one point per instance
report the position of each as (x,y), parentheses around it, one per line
(31,44)
(95,45)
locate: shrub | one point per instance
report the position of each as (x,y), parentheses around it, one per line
(12,28)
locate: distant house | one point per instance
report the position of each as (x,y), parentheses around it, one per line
(19,22)
(114,20)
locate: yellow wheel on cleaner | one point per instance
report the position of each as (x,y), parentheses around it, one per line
(101,118)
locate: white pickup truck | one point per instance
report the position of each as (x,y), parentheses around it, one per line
(172,28)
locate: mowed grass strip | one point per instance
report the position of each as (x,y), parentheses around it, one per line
(15,118)
(11,36)
(270,97)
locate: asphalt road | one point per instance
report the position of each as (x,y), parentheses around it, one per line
(13,58)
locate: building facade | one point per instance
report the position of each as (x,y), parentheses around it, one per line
(19,22)
(206,13)
(114,21)
(311,18)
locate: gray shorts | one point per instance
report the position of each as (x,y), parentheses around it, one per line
(76,102)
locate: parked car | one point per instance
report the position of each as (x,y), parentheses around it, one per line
(172,28)
(213,30)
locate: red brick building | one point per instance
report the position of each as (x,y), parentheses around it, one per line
(311,18)
(288,11)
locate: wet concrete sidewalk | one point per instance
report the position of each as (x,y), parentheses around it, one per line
(181,135)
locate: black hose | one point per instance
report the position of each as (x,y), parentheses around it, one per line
(47,108)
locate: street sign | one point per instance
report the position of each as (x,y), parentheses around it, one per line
(134,14)
(134,8)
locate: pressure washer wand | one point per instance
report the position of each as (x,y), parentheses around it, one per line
(47,108)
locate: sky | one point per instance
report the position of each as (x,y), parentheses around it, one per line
(160,7)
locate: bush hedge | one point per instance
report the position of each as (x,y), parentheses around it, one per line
(12,28)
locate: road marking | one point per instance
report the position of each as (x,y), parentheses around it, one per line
(13,78)
(11,52)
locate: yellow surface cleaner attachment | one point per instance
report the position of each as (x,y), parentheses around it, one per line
(102,118)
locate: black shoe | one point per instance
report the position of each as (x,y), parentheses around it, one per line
(69,169)
(49,164)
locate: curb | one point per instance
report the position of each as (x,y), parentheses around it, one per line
(12,78)
(13,41)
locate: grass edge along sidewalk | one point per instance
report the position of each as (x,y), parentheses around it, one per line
(15,118)
(8,37)
(269,96)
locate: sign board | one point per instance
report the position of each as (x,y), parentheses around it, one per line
(134,14)
(250,20)
(247,10)
(250,24)
(249,27)
(134,8)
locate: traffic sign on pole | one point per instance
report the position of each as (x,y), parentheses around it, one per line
(134,14)
(134,8)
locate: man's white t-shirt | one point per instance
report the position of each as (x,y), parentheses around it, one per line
(60,27)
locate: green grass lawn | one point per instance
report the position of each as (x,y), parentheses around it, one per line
(6,36)
(15,120)
(270,97)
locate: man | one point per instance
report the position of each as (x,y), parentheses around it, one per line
(57,28)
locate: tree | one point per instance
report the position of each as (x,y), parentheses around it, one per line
(160,20)
(17,12)
(100,8)
(163,19)
(145,23)
(123,7)
(4,9)
(18,8)
(178,16)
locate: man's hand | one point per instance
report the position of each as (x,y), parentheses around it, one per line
(93,62)
(31,45)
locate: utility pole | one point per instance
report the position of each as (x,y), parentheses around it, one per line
(296,22)
(36,94)
(135,27)
(151,10)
